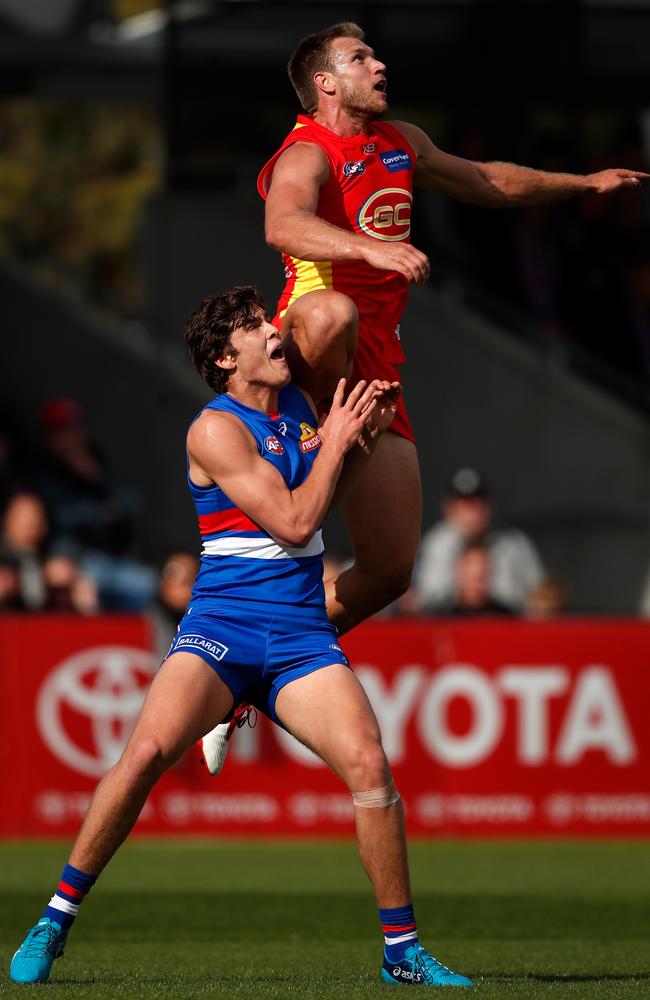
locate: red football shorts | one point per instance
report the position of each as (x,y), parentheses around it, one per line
(370,362)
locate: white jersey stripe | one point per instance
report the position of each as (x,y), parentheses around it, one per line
(261,548)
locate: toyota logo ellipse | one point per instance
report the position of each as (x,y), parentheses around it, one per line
(101,689)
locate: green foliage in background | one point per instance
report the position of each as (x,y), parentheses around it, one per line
(73,181)
(122,9)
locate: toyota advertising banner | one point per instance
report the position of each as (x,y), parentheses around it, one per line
(492,728)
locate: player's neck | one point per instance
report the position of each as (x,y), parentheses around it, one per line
(257,397)
(342,122)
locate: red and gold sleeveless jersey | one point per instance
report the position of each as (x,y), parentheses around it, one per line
(369,191)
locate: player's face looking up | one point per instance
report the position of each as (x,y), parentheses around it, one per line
(258,356)
(357,79)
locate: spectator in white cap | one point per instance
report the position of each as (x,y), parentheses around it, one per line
(515,565)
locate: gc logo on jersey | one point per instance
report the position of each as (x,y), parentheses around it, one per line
(386,215)
(309,437)
(273,445)
(354,168)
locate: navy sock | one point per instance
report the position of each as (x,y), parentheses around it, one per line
(69,895)
(400,930)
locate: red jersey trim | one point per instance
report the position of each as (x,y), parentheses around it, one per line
(226,520)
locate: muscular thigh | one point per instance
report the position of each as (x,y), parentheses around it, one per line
(329,712)
(185,700)
(383,510)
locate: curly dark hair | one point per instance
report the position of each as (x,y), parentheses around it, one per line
(313,55)
(211,325)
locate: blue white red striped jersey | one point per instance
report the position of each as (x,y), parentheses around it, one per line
(239,559)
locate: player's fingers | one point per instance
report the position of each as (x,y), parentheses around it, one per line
(363,416)
(420,262)
(368,397)
(356,393)
(339,392)
(404,267)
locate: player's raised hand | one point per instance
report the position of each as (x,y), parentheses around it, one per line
(387,398)
(400,257)
(616,178)
(347,417)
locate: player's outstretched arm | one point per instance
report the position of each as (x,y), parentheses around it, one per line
(292,226)
(505,184)
(222,451)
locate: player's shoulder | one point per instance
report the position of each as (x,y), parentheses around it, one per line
(305,155)
(216,426)
(413,134)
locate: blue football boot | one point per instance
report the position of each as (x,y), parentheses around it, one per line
(33,960)
(419,968)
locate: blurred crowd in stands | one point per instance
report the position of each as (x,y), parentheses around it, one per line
(580,268)
(66,524)
(67,529)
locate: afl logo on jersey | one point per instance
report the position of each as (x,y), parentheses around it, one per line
(354,168)
(309,437)
(386,215)
(273,445)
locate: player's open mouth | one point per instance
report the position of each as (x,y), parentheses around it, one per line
(381,86)
(278,353)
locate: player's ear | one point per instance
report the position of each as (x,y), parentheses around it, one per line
(228,362)
(324,82)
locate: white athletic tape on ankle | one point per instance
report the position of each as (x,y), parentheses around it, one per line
(376,798)
(58,903)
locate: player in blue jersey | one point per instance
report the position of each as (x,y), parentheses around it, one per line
(262,476)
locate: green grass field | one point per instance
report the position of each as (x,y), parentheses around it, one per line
(255,919)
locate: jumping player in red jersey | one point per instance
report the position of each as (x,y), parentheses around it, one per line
(338,205)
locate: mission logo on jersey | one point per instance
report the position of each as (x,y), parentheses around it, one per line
(309,437)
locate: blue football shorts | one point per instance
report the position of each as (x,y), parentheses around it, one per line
(258,648)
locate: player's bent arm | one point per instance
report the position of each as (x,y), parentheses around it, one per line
(222,451)
(291,223)
(503,184)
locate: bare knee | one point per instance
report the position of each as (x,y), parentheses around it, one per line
(144,760)
(329,318)
(366,766)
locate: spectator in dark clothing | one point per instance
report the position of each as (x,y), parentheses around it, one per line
(85,506)
(67,589)
(91,515)
(472,585)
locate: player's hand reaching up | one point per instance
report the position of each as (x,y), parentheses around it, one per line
(400,257)
(613,180)
(347,417)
